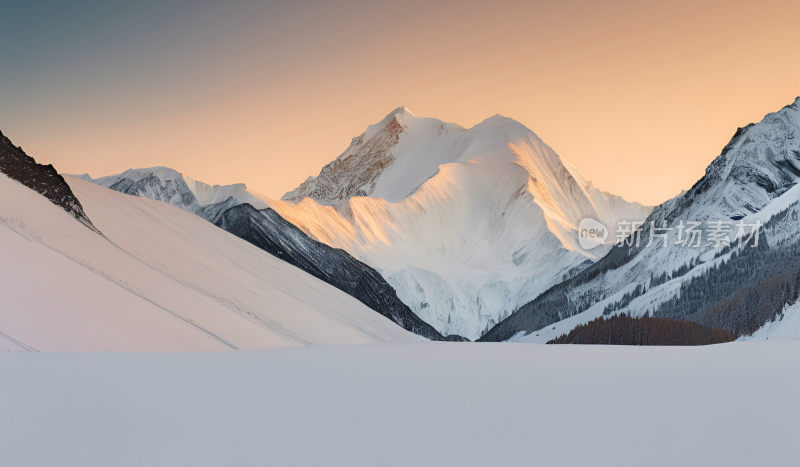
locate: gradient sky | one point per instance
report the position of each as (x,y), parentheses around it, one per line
(639,95)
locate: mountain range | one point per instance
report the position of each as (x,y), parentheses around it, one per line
(419,227)
(458,221)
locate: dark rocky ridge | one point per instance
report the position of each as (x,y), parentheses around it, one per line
(269,231)
(44,179)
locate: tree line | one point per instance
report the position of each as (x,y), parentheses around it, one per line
(645,330)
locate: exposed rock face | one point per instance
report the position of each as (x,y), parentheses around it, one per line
(43,179)
(355,171)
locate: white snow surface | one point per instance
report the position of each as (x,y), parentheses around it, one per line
(785,326)
(159,279)
(466,224)
(424,404)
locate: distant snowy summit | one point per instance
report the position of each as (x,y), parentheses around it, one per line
(466,224)
(172,187)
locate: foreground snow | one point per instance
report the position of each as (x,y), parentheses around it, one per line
(415,404)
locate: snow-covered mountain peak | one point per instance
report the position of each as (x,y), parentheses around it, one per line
(760,163)
(395,156)
(502,120)
(399,117)
(460,221)
(389,160)
(164,174)
(171,186)
(401,113)
(672,273)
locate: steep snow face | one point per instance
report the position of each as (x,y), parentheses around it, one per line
(753,179)
(159,279)
(466,224)
(232,209)
(170,186)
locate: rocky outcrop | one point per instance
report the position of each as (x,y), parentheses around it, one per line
(43,179)
(354,172)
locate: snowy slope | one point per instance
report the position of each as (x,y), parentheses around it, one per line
(267,230)
(405,405)
(237,211)
(787,326)
(466,224)
(754,178)
(780,219)
(160,279)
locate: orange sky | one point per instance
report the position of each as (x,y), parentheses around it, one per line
(640,96)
